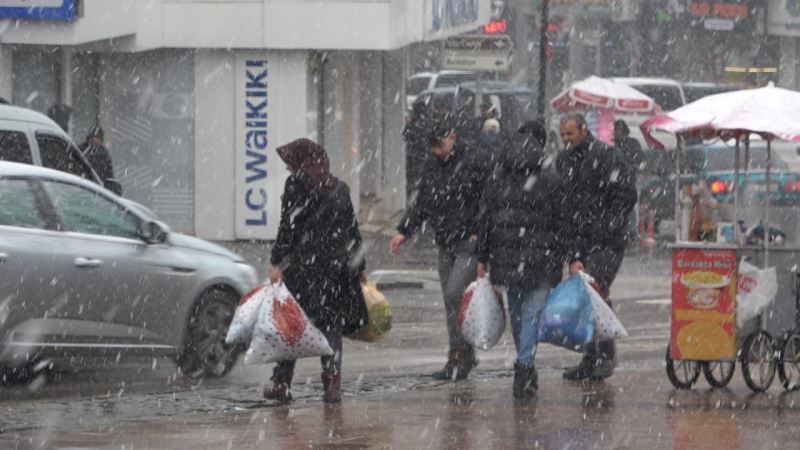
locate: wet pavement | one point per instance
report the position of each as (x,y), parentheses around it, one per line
(391,402)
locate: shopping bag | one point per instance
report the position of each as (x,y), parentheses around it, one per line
(284,332)
(606,323)
(481,316)
(379,313)
(240,330)
(567,319)
(756,289)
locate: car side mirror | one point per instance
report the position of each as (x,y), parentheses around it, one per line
(113,186)
(153,232)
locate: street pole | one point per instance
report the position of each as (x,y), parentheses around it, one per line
(543,59)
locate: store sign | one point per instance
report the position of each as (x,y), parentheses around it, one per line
(783,17)
(720,15)
(477,52)
(39,10)
(448,17)
(703,304)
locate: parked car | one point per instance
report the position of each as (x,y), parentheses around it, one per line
(697,90)
(513,104)
(29,137)
(666,92)
(429,80)
(86,273)
(714,162)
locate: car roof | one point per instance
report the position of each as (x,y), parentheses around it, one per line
(489,87)
(18,113)
(647,80)
(441,72)
(28,170)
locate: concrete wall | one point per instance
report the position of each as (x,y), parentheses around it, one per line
(6,73)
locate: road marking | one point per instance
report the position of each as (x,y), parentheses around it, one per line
(657,301)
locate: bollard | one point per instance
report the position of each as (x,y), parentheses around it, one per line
(650,240)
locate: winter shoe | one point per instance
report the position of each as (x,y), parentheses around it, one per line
(606,362)
(459,363)
(582,371)
(467,362)
(332,386)
(446,373)
(525,381)
(280,391)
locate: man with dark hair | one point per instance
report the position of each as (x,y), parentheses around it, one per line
(97,154)
(449,201)
(600,195)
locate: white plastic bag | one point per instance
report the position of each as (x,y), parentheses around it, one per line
(240,330)
(606,323)
(283,331)
(756,289)
(481,315)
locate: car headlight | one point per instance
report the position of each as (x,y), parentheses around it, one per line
(249,272)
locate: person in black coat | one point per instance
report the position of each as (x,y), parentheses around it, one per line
(521,242)
(600,196)
(449,201)
(319,256)
(415,134)
(97,154)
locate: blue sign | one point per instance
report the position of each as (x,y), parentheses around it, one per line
(39,9)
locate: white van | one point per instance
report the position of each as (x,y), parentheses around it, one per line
(29,137)
(428,80)
(667,93)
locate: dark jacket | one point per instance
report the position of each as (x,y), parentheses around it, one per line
(631,152)
(449,196)
(319,249)
(521,219)
(600,194)
(415,134)
(100,159)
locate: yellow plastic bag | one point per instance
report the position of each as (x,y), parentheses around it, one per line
(380,316)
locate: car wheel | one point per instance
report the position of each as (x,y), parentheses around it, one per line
(205,353)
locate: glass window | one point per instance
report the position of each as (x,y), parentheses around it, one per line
(14,147)
(417,85)
(58,154)
(453,79)
(667,97)
(18,205)
(86,211)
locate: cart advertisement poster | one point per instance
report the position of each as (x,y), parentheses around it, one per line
(703,304)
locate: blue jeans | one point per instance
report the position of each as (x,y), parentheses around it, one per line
(525,307)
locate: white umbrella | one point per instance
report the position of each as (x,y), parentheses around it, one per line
(602,93)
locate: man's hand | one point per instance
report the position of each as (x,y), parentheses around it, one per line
(396,242)
(575,267)
(362,277)
(275,274)
(473,237)
(481,272)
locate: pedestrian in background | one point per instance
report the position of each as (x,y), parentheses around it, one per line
(319,256)
(631,152)
(600,195)
(97,154)
(520,241)
(449,201)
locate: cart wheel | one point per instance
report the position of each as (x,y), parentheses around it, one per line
(682,373)
(789,361)
(718,373)
(758,360)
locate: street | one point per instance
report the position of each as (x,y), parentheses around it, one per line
(391,402)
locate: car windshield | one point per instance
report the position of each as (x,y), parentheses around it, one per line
(723,159)
(417,85)
(667,97)
(453,79)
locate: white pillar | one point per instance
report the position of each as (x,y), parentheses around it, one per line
(6,73)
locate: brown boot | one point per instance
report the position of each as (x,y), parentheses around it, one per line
(332,385)
(466,361)
(449,368)
(280,390)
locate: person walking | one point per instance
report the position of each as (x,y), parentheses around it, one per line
(631,152)
(520,241)
(415,133)
(97,154)
(318,255)
(600,196)
(449,201)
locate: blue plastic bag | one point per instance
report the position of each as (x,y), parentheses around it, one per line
(568,318)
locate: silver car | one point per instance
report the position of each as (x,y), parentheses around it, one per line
(84,272)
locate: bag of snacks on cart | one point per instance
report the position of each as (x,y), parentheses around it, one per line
(283,331)
(756,289)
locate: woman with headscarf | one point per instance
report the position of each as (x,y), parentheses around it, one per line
(520,245)
(318,255)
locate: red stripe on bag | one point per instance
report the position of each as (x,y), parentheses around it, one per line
(250,294)
(289,320)
(462,309)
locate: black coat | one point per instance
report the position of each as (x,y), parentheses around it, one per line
(100,159)
(449,196)
(600,195)
(521,219)
(319,249)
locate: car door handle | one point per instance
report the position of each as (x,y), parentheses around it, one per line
(88,263)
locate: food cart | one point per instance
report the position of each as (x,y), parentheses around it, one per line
(704,333)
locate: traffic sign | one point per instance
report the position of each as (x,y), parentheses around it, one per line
(477,52)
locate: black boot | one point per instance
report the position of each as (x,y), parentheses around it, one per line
(466,362)
(606,361)
(332,386)
(449,367)
(583,370)
(280,390)
(525,381)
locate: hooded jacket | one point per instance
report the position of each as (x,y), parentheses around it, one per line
(600,194)
(449,196)
(319,245)
(521,218)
